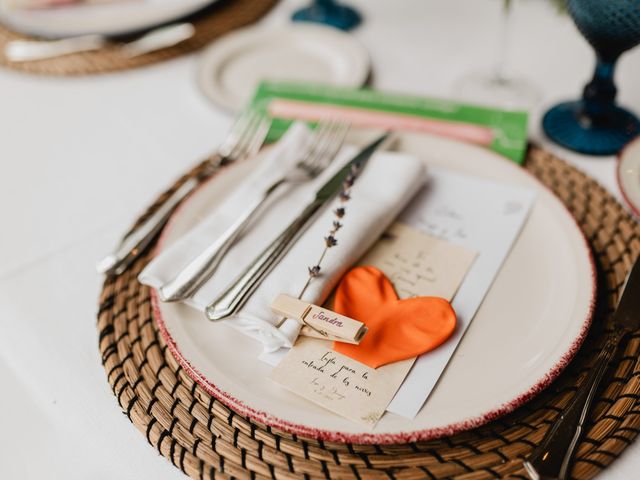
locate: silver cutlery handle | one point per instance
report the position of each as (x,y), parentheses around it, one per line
(134,243)
(552,459)
(28,50)
(159,38)
(234,297)
(201,268)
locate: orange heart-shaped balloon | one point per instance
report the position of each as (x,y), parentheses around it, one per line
(398,329)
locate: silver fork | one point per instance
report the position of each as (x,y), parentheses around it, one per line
(244,140)
(318,156)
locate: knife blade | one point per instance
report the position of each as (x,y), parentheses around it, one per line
(553,458)
(241,289)
(334,184)
(627,314)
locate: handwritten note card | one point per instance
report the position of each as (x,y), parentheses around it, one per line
(418,265)
(349,388)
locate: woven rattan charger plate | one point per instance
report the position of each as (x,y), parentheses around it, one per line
(205,439)
(220,18)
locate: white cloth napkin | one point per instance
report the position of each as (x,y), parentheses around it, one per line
(380,192)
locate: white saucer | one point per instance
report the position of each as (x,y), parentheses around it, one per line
(106,19)
(629,175)
(232,67)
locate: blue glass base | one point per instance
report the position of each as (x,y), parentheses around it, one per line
(339,16)
(567,125)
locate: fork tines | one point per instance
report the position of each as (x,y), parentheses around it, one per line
(324,145)
(245,137)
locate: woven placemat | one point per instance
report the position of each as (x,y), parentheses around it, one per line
(222,17)
(205,439)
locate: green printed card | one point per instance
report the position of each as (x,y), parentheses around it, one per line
(501,130)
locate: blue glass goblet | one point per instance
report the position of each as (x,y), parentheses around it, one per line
(330,13)
(595,125)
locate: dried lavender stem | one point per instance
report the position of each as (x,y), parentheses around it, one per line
(330,241)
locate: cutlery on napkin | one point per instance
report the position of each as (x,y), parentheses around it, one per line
(240,290)
(327,141)
(384,187)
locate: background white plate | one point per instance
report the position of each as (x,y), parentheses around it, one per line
(232,67)
(629,175)
(108,19)
(529,326)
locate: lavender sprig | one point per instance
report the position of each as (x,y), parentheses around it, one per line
(330,240)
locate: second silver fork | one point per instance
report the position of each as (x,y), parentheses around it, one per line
(244,140)
(321,151)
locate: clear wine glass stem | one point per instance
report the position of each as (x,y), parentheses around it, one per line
(496,85)
(504,38)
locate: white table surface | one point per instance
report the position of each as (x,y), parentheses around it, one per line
(81,157)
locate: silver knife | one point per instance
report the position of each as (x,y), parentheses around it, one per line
(552,459)
(235,296)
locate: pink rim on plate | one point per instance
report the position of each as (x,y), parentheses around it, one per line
(271,420)
(635,208)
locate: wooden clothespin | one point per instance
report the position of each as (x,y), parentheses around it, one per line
(319,322)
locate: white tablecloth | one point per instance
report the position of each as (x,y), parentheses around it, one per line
(82,156)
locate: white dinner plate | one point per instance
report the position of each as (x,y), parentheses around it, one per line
(629,175)
(528,328)
(108,18)
(232,67)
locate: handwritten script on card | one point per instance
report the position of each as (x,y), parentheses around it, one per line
(418,265)
(346,387)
